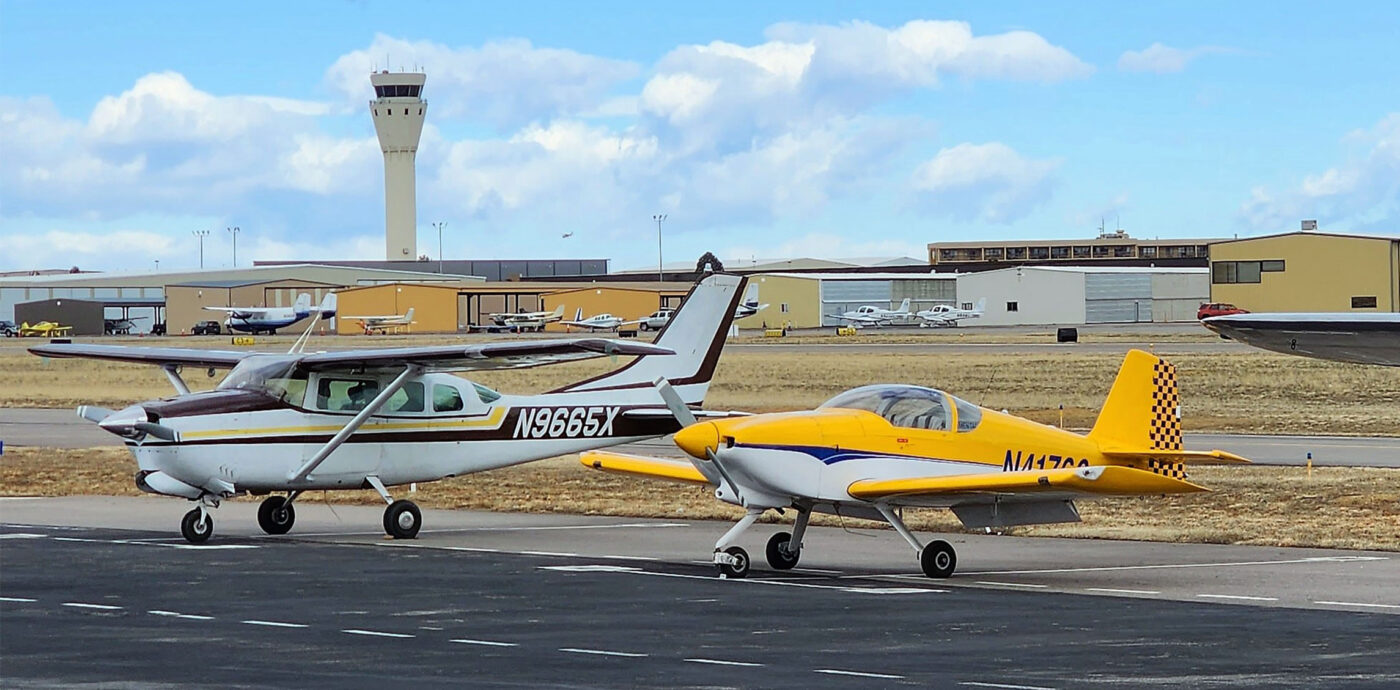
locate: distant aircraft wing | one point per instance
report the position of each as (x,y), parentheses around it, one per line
(1098,480)
(1364,338)
(656,468)
(222,359)
(508,355)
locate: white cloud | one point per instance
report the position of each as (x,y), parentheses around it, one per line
(1163,59)
(1361,193)
(165,107)
(990,182)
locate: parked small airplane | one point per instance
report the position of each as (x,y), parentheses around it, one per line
(121,326)
(1359,338)
(528,320)
(44,329)
(870,315)
(393,323)
(944,315)
(257,320)
(750,305)
(378,418)
(598,322)
(871,451)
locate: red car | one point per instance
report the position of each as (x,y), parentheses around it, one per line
(1218,309)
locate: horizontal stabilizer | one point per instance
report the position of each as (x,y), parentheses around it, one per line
(656,468)
(1184,457)
(1097,480)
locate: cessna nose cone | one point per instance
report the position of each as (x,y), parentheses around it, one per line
(696,438)
(124,423)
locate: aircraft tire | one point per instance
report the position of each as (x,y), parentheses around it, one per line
(195,530)
(778,555)
(938,559)
(275,516)
(741,566)
(402,519)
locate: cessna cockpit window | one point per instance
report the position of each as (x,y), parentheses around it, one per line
(345,395)
(487,395)
(273,376)
(446,399)
(911,407)
(406,399)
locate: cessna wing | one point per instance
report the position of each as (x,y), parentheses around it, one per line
(478,357)
(218,359)
(1364,338)
(1097,480)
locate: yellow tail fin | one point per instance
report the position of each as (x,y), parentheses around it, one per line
(1143,410)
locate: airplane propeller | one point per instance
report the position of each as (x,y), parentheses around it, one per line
(683,414)
(129,423)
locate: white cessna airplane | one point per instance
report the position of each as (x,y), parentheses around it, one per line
(944,315)
(257,320)
(384,324)
(750,305)
(870,315)
(598,322)
(528,320)
(377,418)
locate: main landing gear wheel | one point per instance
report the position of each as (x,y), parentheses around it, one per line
(778,555)
(938,559)
(197,526)
(276,515)
(402,519)
(739,563)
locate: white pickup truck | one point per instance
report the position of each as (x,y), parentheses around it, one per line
(657,320)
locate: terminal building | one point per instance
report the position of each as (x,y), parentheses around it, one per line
(1308,271)
(1109,249)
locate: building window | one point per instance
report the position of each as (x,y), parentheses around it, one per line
(1081,252)
(1012,306)
(1015,253)
(1368,302)
(1147,252)
(376,112)
(1273,266)
(992,253)
(785,307)
(1059,252)
(1229,272)
(1040,253)
(405,111)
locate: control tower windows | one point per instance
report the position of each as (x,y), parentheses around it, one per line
(398,91)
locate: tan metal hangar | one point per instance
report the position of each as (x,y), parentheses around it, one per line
(1308,271)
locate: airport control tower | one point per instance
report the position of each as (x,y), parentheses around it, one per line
(398,109)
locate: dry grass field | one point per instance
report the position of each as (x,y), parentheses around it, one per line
(1350,508)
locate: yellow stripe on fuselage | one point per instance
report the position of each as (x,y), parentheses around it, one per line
(490,421)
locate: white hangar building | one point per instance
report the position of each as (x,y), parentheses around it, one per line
(1071,295)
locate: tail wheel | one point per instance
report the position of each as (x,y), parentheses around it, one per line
(938,559)
(779,556)
(197,526)
(738,565)
(276,515)
(402,519)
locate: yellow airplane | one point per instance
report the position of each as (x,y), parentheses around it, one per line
(871,451)
(44,329)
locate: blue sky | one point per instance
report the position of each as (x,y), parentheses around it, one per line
(832,129)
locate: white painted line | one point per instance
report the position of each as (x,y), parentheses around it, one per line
(375,633)
(600,652)
(1236,597)
(273,624)
(551,554)
(976,684)
(838,672)
(21,498)
(18,599)
(893,590)
(1011,584)
(100,607)
(1110,590)
(434,628)
(22,535)
(484,643)
(206,547)
(456,530)
(176,614)
(1316,559)
(472,549)
(590,568)
(1341,603)
(721,662)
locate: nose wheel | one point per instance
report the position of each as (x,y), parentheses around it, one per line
(197,526)
(733,562)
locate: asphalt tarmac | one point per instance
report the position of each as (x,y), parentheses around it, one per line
(52,428)
(509,600)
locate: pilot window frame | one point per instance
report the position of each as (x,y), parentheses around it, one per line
(440,404)
(343,400)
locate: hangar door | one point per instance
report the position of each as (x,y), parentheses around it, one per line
(1117,297)
(840,296)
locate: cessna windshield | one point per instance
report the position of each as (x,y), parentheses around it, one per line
(273,375)
(912,407)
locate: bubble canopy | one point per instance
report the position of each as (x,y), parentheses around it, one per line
(910,407)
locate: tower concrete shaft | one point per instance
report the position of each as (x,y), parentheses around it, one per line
(398,109)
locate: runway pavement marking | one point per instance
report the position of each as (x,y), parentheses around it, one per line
(590,568)
(1236,597)
(21,600)
(21,498)
(1358,603)
(22,535)
(893,590)
(721,662)
(1110,590)
(143,542)
(273,624)
(859,674)
(600,652)
(1314,559)
(474,549)
(375,633)
(454,530)
(977,684)
(175,614)
(484,643)
(1012,584)
(100,607)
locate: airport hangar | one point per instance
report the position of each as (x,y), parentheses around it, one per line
(1070,295)
(1308,271)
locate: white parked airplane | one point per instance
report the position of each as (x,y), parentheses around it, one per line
(750,305)
(384,324)
(598,322)
(1359,338)
(944,315)
(528,320)
(257,320)
(377,418)
(870,315)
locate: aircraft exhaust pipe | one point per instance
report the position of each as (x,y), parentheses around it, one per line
(157,482)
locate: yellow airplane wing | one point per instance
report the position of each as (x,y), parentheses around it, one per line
(1185,457)
(1102,480)
(656,468)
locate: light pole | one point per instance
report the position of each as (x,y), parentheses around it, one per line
(660,271)
(234,231)
(201,234)
(440,225)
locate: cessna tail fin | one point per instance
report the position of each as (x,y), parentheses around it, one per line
(327,307)
(409,316)
(1143,410)
(303,303)
(559,312)
(904,306)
